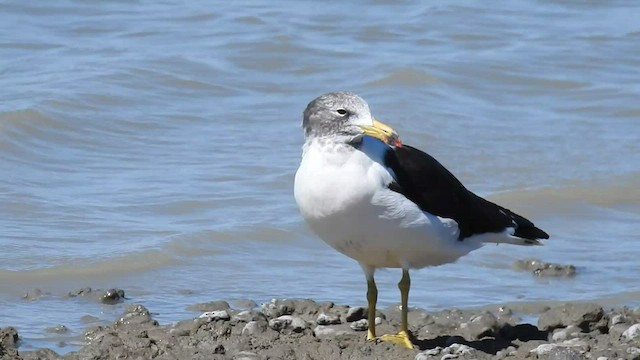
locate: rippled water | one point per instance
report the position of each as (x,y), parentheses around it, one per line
(152,146)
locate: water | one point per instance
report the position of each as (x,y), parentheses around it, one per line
(152,146)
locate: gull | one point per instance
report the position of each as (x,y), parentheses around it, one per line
(389,205)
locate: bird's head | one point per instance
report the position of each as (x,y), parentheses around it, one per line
(347,115)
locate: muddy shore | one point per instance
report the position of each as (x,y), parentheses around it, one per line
(305,329)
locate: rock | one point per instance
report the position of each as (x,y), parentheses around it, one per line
(460,349)
(81,292)
(135,315)
(323,331)
(566,333)
(34,294)
(617,319)
(479,326)
(277,308)
(586,316)
(254,328)
(360,325)
(633,332)
(297,324)
(564,353)
(541,268)
(9,342)
(60,329)
(543,349)
(327,319)
(216,315)
(378,320)
(355,314)
(245,304)
(280,323)
(246,355)
(617,330)
(429,354)
(112,296)
(210,306)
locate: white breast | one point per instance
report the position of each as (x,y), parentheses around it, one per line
(342,194)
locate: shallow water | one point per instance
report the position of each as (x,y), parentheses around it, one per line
(152,146)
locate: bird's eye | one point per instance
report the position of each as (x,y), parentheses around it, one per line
(342,111)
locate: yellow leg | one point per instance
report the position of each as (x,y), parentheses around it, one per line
(402,338)
(372,299)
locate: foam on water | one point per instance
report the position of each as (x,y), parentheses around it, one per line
(152,146)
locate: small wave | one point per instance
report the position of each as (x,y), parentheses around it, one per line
(405,77)
(616,193)
(90,269)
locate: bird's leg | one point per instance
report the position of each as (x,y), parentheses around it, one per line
(402,338)
(372,299)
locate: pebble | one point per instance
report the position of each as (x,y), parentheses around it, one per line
(355,313)
(328,319)
(246,355)
(298,325)
(281,322)
(616,319)
(566,333)
(322,331)
(60,329)
(254,328)
(632,332)
(216,315)
(360,325)
(112,296)
(543,349)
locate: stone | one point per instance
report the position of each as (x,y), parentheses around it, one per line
(543,349)
(328,319)
(210,306)
(60,329)
(323,331)
(246,355)
(429,354)
(112,296)
(254,328)
(480,326)
(216,315)
(277,308)
(633,332)
(9,342)
(281,322)
(360,325)
(617,319)
(355,313)
(298,324)
(541,268)
(586,316)
(566,333)
(564,353)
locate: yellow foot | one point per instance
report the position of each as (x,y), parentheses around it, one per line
(402,339)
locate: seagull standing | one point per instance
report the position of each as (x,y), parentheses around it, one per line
(386,204)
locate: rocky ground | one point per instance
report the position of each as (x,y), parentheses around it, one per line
(304,329)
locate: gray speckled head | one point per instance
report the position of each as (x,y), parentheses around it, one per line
(336,113)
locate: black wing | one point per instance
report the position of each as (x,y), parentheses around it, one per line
(423,180)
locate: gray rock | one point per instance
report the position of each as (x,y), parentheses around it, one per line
(216,315)
(246,355)
(81,292)
(429,354)
(355,314)
(616,331)
(323,331)
(460,349)
(277,308)
(479,326)
(281,322)
(112,296)
(135,315)
(543,349)
(328,319)
(297,324)
(360,325)
(617,319)
(541,268)
(633,332)
(569,332)
(60,329)
(9,342)
(210,306)
(564,353)
(586,316)
(34,294)
(245,304)
(378,320)
(254,328)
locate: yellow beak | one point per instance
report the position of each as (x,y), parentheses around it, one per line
(383,132)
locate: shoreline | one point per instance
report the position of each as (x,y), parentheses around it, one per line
(305,329)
